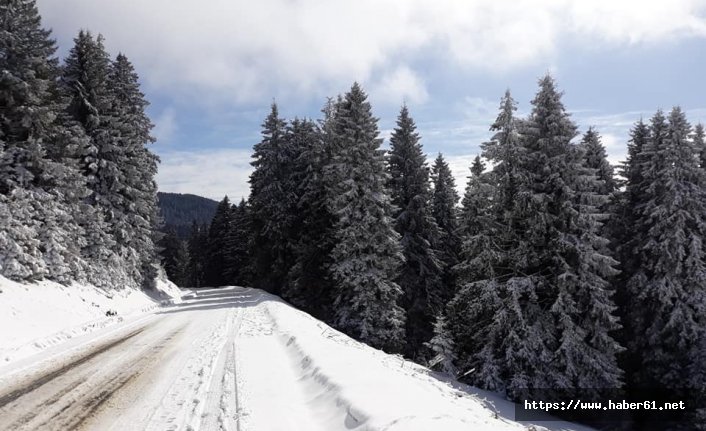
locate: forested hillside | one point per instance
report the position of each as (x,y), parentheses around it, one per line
(179,211)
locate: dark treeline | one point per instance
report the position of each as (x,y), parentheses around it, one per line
(77,189)
(554,272)
(179,211)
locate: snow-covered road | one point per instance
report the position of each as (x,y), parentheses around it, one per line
(232,359)
(171,370)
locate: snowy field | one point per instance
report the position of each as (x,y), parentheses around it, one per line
(220,359)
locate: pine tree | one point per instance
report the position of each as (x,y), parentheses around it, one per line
(182,264)
(476,201)
(443,347)
(367,253)
(198,252)
(39,194)
(92,106)
(596,159)
(488,215)
(623,225)
(475,223)
(138,166)
(599,185)
(665,288)
(236,257)
(480,317)
(505,150)
(562,243)
(444,200)
(310,284)
(169,244)
(699,139)
(270,203)
(421,274)
(218,232)
(85,79)
(545,317)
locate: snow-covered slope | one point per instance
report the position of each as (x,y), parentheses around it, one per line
(39,315)
(353,386)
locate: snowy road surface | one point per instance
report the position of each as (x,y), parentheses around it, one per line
(233,359)
(171,370)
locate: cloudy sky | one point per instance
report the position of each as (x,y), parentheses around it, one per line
(212,68)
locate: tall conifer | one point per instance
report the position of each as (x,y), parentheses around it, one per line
(421,274)
(367,254)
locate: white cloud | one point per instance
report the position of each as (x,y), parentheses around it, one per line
(245,51)
(165,126)
(460,166)
(635,21)
(400,85)
(616,147)
(213,173)
(479,108)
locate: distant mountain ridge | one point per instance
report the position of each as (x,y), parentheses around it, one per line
(179,211)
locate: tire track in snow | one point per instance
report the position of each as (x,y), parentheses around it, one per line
(222,405)
(201,395)
(72,398)
(51,375)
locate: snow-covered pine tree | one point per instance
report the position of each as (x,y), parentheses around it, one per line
(367,254)
(545,316)
(475,224)
(497,190)
(624,232)
(92,106)
(270,204)
(632,169)
(484,330)
(443,347)
(596,159)
(505,150)
(39,194)
(666,300)
(421,274)
(561,252)
(699,138)
(599,183)
(85,79)
(236,246)
(477,199)
(300,136)
(312,240)
(218,232)
(623,225)
(444,200)
(138,169)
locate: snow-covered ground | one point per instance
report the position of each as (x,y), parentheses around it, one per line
(37,316)
(230,359)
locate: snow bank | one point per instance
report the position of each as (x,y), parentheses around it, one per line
(372,390)
(40,315)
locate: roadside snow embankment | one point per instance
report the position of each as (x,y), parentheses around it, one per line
(363,388)
(37,316)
